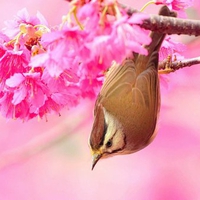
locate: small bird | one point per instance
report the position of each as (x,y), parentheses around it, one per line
(127,106)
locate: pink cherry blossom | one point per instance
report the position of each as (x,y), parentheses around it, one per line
(123,37)
(171,48)
(27,88)
(11,62)
(22,17)
(64,52)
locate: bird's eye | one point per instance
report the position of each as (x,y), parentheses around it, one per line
(109,144)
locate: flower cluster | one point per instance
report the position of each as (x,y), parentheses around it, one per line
(43,69)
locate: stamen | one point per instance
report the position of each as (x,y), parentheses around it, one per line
(42,29)
(147,4)
(76,18)
(103,16)
(67,18)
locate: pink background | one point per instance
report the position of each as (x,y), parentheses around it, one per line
(51,160)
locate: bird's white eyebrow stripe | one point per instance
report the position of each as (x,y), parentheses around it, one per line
(112,136)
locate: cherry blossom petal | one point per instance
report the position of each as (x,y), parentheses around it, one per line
(19,95)
(15,80)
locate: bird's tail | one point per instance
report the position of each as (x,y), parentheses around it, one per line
(157,39)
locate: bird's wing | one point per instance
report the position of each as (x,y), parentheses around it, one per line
(119,79)
(122,79)
(146,89)
(118,82)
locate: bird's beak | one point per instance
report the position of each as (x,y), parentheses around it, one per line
(96,157)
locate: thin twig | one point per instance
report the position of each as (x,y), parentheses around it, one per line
(176,65)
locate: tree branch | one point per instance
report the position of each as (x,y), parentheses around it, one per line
(167,66)
(172,25)
(168,25)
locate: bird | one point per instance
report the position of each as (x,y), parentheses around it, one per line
(127,107)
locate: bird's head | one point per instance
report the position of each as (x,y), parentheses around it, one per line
(107,137)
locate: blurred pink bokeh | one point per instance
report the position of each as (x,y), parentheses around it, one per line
(51,160)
